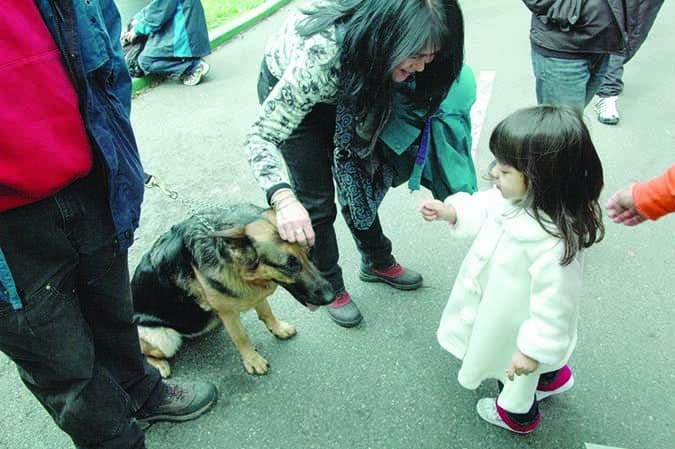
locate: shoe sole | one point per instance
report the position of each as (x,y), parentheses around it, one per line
(541,395)
(147,422)
(367,277)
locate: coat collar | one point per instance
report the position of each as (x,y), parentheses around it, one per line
(521,225)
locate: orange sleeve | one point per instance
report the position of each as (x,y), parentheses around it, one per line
(656,197)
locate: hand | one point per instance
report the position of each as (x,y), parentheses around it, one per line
(129,36)
(621,207)
(436,210)
(293,222)
(521,364)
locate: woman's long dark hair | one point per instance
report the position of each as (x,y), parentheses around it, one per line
(552,147)
(377,35)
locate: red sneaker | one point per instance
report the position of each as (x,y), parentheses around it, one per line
(344,310)
(490,411)
(394,275)
(560,384)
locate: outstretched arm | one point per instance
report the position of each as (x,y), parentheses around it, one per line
(636,202)
(435,210)
(621,207)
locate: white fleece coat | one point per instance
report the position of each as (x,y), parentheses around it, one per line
(511,293)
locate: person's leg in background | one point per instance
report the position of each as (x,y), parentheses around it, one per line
(189,70)
(597,69)
(612,84)
(565,81)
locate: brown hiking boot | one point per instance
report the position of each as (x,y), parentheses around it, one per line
(180,402)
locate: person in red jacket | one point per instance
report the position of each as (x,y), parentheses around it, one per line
(71,187)
(638,202)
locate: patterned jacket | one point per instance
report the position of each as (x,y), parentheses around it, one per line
(307,69)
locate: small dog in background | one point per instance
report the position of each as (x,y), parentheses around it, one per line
(208,269)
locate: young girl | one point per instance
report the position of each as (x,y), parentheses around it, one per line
(513,308)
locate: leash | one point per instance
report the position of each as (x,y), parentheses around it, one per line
(151,181)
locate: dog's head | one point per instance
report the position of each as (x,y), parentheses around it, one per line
(248,242)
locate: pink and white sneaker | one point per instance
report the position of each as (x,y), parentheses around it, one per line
(561,383)
(490,411)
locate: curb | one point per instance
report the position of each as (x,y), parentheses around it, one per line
(221,35)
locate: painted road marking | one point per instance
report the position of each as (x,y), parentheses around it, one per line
(479,109)
(597,446)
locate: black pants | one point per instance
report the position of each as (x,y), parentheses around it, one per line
(74,342)
(308,155)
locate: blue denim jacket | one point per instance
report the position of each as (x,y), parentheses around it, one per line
(87,33)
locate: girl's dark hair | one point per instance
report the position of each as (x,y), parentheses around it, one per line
(552,147)
(375,36)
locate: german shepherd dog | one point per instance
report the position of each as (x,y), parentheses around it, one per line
(211,267)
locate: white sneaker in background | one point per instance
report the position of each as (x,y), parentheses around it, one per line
(607,110)
(196,76)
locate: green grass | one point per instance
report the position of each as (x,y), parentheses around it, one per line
(219,12)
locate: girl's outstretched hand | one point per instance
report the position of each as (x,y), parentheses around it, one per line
(437,210)
(521,364)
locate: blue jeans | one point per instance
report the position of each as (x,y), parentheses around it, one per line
(571,82)
(74,341)
(166,65)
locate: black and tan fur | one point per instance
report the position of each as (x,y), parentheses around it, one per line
(211,267)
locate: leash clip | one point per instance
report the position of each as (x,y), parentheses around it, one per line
(153,181)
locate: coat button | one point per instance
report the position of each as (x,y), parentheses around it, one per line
(472,286)
(468,315)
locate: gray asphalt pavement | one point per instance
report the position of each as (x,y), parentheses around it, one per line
(387,383)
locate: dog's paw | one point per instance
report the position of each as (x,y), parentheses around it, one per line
(254,363)
(162,365)
(283,330)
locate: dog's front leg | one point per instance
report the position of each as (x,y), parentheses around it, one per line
(280,329)
(254,363)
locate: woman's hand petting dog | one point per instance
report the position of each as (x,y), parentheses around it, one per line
(293,222)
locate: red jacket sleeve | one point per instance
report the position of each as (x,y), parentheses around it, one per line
(656,197)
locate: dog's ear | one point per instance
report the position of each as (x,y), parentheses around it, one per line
(230,234)
(238,247)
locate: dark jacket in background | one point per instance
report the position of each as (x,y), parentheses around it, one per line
(582,26)
(640,16)
(175,28)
